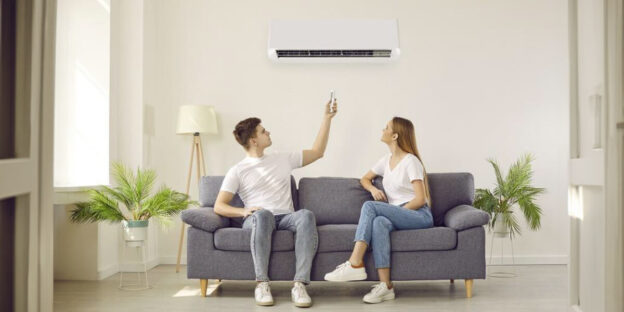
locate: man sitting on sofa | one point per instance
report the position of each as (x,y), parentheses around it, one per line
(263,183)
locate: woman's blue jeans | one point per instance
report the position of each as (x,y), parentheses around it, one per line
(378,219)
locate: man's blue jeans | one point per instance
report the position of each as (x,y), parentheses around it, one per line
(378,219)
(262,224)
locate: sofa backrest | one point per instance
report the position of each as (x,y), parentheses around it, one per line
(339,200)
(209,187)
(333,200)
(449,190)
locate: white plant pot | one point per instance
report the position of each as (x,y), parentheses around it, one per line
(500,230)
(135,232)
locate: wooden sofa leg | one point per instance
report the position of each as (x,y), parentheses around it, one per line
(204,286)
(452,281)
(468,283)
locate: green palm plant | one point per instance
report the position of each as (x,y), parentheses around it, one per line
(130,200)
(514,189)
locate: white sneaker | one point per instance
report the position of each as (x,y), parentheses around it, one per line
(379,293)
(345,272)
(300,296)
(263,294)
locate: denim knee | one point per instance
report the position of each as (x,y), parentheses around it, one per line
(306,217)
(369,204)
(262,214)
(382,223)
(264,217)
(368,208)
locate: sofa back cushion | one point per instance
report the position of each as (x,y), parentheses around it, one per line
(339,200)
(209,187)
(333,200)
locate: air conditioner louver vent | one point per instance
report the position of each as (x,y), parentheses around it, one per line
(333,41)
(334,53)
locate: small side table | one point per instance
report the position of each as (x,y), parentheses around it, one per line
(137,284)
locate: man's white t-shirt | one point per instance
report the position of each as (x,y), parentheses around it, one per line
(397,182)
(264,182)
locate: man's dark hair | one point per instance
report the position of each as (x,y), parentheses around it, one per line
(245,130)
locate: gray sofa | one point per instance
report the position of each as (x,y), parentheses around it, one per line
(453,249)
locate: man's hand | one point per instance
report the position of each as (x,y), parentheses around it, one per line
(334,109)
(378,195)
(247,211)
(318,149)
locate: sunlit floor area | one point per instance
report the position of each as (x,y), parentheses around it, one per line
(535,288)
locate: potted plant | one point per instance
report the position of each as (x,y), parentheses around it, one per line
(510,191)
(131,203)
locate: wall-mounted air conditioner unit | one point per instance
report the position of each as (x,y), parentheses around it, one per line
(333,41)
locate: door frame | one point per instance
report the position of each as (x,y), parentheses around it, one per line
(29,176)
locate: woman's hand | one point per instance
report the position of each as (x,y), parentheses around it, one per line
(378,194)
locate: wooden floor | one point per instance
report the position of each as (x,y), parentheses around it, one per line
(536,288)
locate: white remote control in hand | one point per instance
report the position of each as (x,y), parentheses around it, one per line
(332,101)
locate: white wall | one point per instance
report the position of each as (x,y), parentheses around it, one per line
(478,79)
(127,109)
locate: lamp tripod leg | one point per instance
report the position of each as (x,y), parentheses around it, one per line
(188,187)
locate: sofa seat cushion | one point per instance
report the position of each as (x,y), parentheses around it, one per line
(238,239)
(339,237)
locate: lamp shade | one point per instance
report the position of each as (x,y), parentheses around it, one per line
(196,119)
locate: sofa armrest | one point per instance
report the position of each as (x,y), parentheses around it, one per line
(464,217)
(205,219)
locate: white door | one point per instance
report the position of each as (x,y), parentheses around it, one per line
(595,205)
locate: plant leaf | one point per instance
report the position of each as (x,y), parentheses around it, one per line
(164,204)
(100,208)
(510,221)
(125,185)
(513,189)
(531,211)
(485,200)
(143,185)
(133,191)
(499,190)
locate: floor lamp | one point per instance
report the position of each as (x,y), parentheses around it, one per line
(194,119)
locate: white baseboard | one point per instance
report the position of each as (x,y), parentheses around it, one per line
(108,271)
(135,266)
(130,266)
(527,260)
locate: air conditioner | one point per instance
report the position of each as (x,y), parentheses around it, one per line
(333,41)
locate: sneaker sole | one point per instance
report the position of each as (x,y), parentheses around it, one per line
(303,305)
(382,299)
(265,304)
(357,278)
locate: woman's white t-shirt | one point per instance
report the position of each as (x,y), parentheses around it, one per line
(397,182)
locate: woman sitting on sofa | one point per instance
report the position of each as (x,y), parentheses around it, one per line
(404,206)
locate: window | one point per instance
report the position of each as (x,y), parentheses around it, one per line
(81,138)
